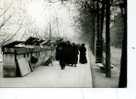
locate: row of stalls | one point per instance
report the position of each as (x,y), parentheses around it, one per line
(23,57)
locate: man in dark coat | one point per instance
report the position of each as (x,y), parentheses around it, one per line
(83,58)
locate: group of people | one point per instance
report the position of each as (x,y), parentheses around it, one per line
(67,54)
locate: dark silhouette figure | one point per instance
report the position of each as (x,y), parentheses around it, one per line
(83,58)
(67,52)
(75,53)
(58,52)
(62,55)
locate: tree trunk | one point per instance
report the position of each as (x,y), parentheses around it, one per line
(99,52)
(93,37)
(123,69)
(108,54)
(101,26)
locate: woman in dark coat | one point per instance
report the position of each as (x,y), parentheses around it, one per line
(83,58)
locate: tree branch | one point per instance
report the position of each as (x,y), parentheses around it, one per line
(6,10)
(5,21)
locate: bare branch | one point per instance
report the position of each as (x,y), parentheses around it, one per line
(6,10)
(5,21)
(11,37)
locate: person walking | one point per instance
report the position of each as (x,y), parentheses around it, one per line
(83,58)
(75,54)
(62,55)
(67,53)
(58,51)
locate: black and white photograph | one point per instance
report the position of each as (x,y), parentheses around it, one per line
(63,44)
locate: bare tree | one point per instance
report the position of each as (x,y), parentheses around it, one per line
(4,21)
(10,37)
(7,18)
(3,14)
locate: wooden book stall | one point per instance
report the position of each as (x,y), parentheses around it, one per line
(20,61)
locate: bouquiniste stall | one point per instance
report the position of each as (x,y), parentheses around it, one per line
(22,57)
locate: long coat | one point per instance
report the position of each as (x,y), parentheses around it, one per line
(83,58)
(75,54)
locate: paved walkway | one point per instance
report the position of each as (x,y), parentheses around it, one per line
(52,76)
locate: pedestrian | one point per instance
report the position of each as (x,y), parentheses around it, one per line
(68,51)
(58,48)
(58,52)
(75,54)
(62,55)
(83,58)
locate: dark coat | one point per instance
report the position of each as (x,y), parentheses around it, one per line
(62,55)
(58,52)
(75,54)
(83,58)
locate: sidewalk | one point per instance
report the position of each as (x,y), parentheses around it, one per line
(99,79)
(53,76)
